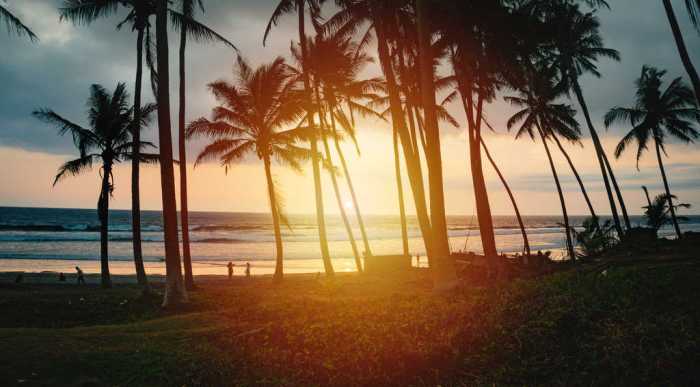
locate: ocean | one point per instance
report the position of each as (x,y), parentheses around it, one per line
(57,239)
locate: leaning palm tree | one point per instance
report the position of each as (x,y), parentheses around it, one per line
(107,141)
(299,6)
(655,116)
(541,114)
(578,45)
(188,26)
(14,25)
(249,120)
(693,7)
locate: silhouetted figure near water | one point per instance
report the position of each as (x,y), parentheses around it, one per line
(230,270)
(247,269)
(417,260)
(61,277)
(20,278)
(81,278)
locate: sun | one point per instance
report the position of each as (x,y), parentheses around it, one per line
(348,205)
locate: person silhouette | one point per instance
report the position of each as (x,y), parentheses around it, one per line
(247,269)
(81,278)
(230,270)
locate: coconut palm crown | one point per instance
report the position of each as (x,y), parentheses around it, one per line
(252,113)
(656,116)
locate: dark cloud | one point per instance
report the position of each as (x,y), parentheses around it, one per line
(58,70)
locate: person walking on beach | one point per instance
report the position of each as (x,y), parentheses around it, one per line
(230,270)
(81,278)
(247,269)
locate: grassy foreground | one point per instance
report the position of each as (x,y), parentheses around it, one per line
(634,325)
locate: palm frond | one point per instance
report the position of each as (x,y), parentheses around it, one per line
(196,30)
(213,129)
(284,7)
(74,167)
(15,25)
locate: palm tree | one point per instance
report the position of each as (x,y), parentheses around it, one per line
(432,135)
(338,63)
(249,120)
(198,32)
(85,12)
(657,212)
(139,13)
(578,46)
(14,25)
(539,112)
(655,116)
(175,293)
(376,13)
(299,6)
(693,6)
(107,141)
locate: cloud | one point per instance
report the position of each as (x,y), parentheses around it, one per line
(57,72)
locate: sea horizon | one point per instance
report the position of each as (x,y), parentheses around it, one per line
(57,239)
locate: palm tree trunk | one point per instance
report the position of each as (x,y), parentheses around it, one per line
(567,229)
(646,193)
(599,154)
(483,207)
(175,292)
(618,193)
(320,213)
(668,190)
(682,51)
(526,242)
(399,188)
(578,177)
(279,253)
(103,214)
(348,179)
(184,211)
(415,175)
(135,168)
(438,219)
(336,189)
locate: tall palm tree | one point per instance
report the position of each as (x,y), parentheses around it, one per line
(541,114)
(249,120)
(138,16)
(198,32)
(338,64)
(86,12)
(299,6)
(693,6)
(175,292)
(578,45)
(432,135)
(107,141)
(655,116)
(350,18)
(14,25)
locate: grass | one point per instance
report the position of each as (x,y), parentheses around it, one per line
(633,325)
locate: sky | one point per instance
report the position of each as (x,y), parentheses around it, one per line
(57,72)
